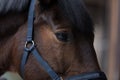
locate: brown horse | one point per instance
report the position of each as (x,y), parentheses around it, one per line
(63,34)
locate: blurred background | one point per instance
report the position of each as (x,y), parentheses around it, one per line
(106,17)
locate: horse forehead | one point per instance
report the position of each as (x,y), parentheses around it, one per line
(14,5)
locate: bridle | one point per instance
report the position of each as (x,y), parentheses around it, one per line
(30,48)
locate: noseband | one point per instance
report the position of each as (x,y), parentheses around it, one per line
(30,48)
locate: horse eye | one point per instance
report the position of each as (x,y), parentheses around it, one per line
(62,36)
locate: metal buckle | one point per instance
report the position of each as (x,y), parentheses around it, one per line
(29,45)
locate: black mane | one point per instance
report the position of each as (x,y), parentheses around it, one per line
(76,12)
(73,10)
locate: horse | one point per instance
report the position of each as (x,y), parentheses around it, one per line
(59,43)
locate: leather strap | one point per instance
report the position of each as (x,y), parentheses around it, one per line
(45,65)
(32,49)
(31,20)
(29,35)
(89,76)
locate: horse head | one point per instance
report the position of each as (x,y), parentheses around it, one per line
(63,35)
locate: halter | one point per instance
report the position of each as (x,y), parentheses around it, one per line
(30,48)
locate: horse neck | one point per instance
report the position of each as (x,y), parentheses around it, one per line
(10,23)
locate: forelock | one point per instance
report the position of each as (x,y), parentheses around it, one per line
(13,5)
